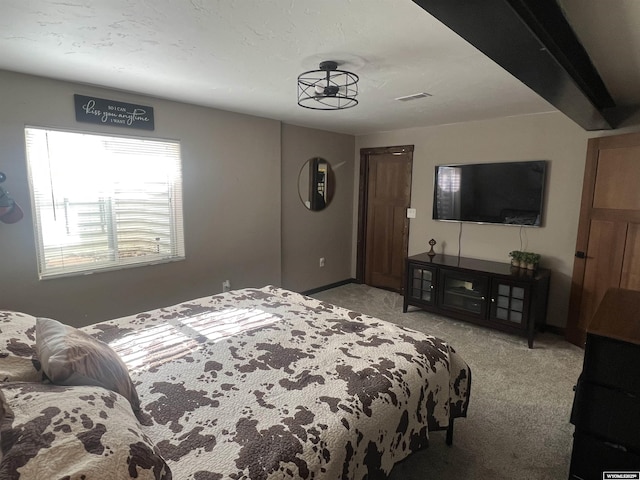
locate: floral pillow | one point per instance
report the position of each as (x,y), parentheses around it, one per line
(73,432)
(18,362)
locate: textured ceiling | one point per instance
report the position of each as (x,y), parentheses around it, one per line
(245,56)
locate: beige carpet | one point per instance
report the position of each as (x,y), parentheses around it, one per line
(518,424)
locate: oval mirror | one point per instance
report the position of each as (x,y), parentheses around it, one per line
(315,184)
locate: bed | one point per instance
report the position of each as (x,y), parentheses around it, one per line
(250,384)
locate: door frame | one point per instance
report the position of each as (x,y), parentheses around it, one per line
(363,199)
(572,334)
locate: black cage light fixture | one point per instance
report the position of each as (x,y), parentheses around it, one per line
(327,88)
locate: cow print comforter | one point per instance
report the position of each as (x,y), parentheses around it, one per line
(266,383)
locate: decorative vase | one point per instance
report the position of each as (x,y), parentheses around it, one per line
(431,252)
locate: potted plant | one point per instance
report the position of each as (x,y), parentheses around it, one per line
(531,260)
(516,257)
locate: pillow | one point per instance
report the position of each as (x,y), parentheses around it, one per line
(72,357)
(73,432)
(18,362)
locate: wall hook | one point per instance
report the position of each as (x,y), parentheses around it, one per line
(10,211)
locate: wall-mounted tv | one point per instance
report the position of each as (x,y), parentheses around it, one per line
(508,193)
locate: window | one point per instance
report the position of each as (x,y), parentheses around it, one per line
(448,199)
(103,202)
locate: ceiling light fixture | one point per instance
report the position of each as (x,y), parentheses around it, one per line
(327,88)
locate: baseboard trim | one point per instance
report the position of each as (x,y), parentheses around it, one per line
(327,287)
(553,329)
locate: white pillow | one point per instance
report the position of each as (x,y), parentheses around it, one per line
(71,357)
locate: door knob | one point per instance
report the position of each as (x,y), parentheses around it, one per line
(581,255)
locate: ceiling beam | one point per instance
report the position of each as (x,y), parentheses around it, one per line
(533,41)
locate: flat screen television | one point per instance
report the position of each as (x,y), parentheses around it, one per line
(508,193)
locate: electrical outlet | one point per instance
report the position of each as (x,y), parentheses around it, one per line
(321,262)
(226,285)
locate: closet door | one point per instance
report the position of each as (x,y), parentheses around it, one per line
(608,243)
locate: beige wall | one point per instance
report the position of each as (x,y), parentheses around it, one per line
(232,206)
(244,220)
(307,235)
(551,137)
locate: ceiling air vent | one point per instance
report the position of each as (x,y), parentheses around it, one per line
(415,96)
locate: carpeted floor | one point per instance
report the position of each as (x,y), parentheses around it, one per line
(518,424)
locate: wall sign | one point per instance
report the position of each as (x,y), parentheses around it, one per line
(110,112)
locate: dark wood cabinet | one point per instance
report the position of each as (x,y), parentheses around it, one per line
(606,406)
(492,294)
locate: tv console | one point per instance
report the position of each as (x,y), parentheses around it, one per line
(491,294)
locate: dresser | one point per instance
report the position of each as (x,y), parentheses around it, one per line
(606,407)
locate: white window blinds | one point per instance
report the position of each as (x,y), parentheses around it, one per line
(103,202)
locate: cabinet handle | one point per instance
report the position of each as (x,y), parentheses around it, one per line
(483,299)
(493,300)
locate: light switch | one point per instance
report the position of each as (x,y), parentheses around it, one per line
(411,213)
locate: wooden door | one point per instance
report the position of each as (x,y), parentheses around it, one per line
(608,243)
(385,195)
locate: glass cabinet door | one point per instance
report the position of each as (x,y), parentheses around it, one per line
(422,283)
(464,292)
(509,303)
